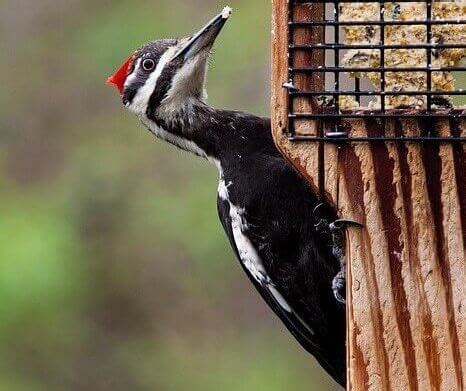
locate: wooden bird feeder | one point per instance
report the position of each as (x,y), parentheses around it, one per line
(367,105)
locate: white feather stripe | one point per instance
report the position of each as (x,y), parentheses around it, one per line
(247,252)
(140,102)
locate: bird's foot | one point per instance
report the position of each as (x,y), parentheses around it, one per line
(339,287)
(336,231)
(339,282)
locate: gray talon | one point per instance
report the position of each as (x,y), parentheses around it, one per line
(339,287)
(336,230)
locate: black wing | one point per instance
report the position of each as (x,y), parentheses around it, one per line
(295,322)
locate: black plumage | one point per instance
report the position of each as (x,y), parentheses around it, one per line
(278,207)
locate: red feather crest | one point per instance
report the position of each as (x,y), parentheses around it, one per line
(119,77)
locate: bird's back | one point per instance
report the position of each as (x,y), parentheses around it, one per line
(277,217)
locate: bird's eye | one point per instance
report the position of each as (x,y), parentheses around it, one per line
(148,64)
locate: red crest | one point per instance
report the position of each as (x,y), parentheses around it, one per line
(119,77)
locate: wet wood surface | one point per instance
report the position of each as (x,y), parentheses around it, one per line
(406,274)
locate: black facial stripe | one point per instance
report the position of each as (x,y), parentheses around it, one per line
(153,50)
(132,89)
(162,87)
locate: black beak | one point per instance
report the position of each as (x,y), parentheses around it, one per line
(205,37)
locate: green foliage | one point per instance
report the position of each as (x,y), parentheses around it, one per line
(221,364)
(40,260)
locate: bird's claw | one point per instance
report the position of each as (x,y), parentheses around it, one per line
(316,209)
(336,231)
(321,225)
(339,287)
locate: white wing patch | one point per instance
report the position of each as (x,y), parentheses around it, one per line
(247,252)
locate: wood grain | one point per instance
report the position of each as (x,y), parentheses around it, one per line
(406,274)
(308,154)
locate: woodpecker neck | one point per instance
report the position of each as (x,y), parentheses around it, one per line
(180,123)
(218,135)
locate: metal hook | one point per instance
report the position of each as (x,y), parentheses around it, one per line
(290,86)
(341,223)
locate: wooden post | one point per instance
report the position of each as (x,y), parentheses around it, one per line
(406,276)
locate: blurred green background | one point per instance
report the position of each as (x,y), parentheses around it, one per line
(114,271)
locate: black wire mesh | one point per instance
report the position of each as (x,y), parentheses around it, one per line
(383,101)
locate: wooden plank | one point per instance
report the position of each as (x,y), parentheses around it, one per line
(305,156)
(372,331)
(406,269)
(302,58)
(406,274)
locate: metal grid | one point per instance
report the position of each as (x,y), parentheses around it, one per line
(331,118)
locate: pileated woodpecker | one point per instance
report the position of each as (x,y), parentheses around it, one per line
(265,207)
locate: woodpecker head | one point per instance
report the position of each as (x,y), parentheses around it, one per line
(166,75)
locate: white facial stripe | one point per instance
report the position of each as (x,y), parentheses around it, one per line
(141,100)
(129,80)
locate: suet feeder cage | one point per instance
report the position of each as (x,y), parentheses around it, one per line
(368,103)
